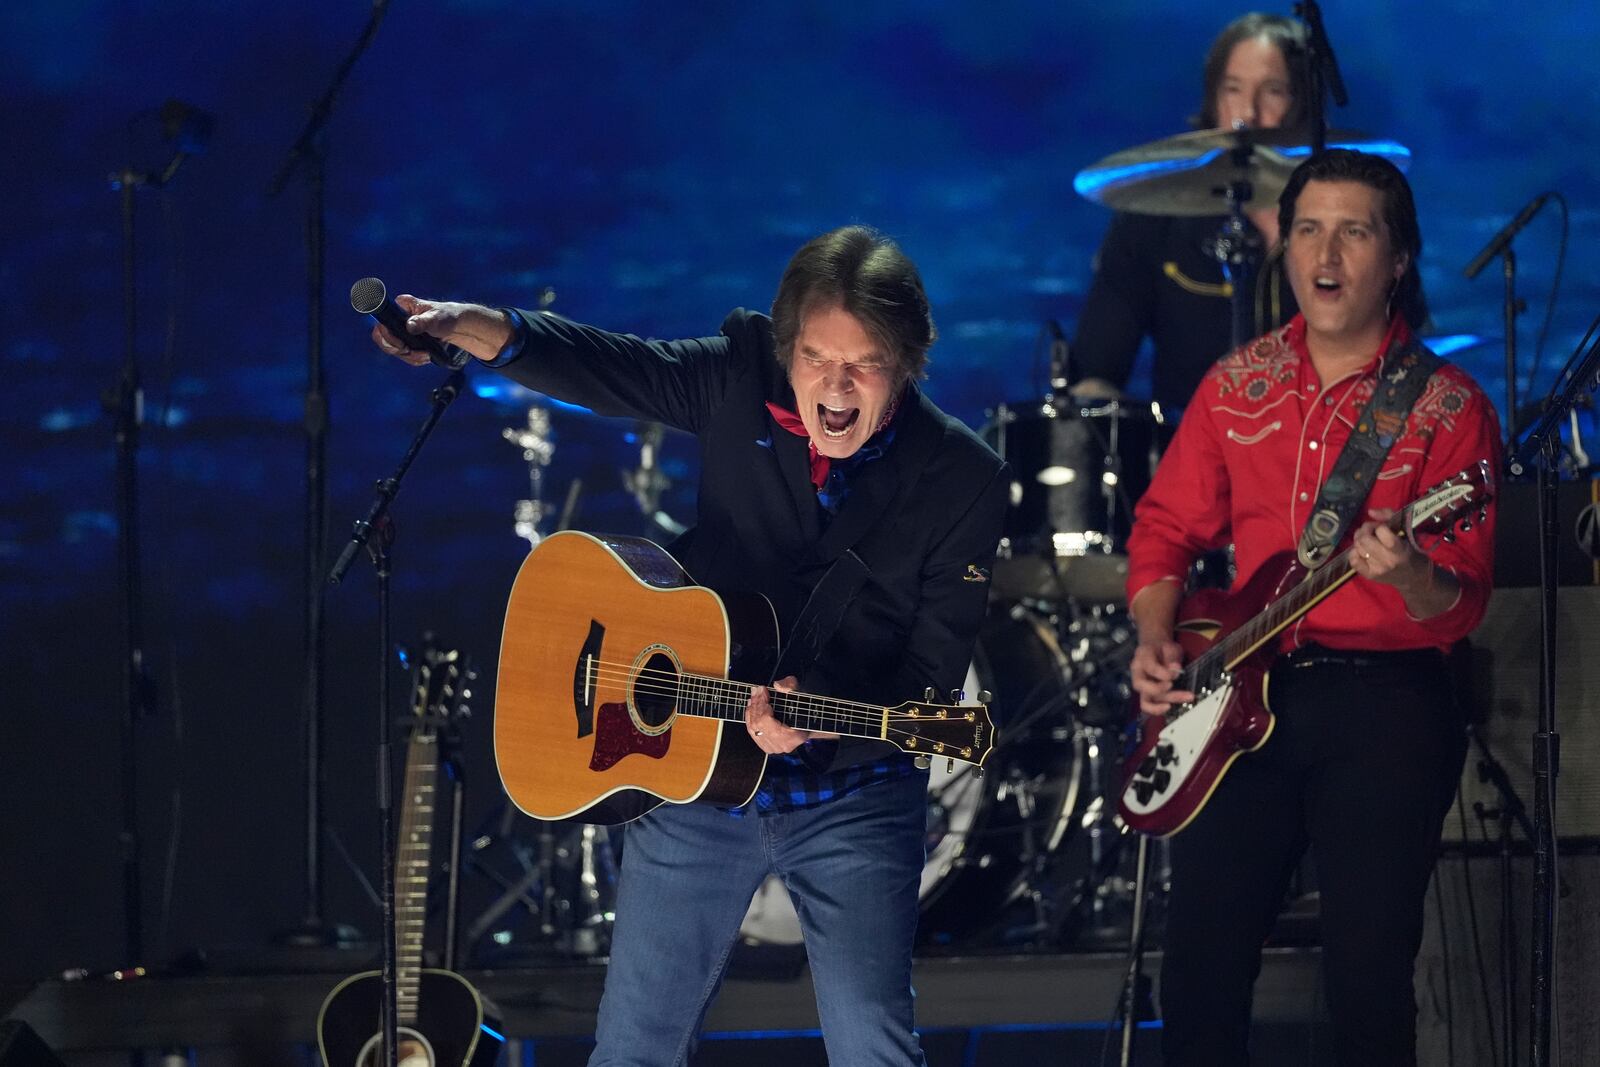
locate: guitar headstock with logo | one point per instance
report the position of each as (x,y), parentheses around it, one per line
(1451,505)
(960,732)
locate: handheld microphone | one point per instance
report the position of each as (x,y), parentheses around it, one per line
(1498,242)
(369,297)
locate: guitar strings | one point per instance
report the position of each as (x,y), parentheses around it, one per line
(667,684)
(672,684)
(675,679)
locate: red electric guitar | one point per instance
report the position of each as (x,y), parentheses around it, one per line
(1228,644)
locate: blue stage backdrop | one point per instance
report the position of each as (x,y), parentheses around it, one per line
(654,165)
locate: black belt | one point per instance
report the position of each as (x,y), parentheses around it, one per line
(1320,656)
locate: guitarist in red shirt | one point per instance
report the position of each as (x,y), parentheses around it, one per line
(1367,745)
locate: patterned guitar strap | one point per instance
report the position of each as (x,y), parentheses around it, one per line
(1401,380)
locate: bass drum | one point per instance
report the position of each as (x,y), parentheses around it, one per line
(985,834)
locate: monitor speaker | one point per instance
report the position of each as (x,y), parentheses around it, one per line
(1500,686)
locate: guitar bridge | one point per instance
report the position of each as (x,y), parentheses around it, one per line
(584,675)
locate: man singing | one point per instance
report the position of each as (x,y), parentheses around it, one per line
(815,443)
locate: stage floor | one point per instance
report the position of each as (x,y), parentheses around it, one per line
(265,1012)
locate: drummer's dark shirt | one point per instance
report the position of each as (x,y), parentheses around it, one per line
(1153,278)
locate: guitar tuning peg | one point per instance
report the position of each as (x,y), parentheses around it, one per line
(930,694)
(1466,524)
(985,697)
(466,694)
(957,695)
(464,711)
(922,762)
(949,766)
(1450,536)
(980,772)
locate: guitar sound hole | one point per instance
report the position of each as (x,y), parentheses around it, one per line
(413,1051)
(655,691)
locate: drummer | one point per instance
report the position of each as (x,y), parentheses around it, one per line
(1154,276)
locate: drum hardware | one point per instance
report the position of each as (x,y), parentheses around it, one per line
(647,482)
(1238,249)
(1187,174)
(562,884)
(538,448)
(1077,469)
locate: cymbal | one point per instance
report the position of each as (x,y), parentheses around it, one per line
(1188,174)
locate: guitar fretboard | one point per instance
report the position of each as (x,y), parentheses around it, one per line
(1207,669)
(411,870)
(721,698)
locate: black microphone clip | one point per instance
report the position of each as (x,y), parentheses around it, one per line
(369,296)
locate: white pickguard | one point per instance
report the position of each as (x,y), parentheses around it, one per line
(1177,752)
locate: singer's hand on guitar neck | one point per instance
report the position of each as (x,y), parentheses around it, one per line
(770,735)
(1380,554)
(481,331)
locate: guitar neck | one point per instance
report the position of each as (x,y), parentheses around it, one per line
(1278,616)
(720,698)
(412,861)
(1282,613)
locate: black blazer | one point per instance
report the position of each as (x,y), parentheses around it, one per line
(925,517)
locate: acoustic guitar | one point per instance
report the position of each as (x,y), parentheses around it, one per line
(440,1018)
(622,686)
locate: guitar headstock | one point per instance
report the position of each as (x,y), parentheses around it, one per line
(962,732)
(1451,504)
(441,685)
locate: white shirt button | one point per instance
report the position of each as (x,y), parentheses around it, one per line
(1313,446)
(1305,496)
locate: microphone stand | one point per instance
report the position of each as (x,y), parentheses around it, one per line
(1135,985)
(310,148)
(1541,449)
(375,534)
(124,402)
(1500,244)
(1325,76)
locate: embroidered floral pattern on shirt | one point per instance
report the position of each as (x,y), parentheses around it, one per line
(1251,371)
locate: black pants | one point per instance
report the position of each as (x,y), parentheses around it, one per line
(1362,767)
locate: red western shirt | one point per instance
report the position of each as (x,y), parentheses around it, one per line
(1255,445)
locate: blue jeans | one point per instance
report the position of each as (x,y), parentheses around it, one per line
(852,866)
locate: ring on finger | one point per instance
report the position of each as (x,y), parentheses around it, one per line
(758,733)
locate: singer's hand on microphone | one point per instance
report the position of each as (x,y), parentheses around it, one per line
(481,331)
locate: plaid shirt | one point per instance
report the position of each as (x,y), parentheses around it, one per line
(799,779)
(793,782)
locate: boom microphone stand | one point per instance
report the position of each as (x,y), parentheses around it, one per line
(311,149)
(1325,76)
(189,129)
(1541,449)
(375,534)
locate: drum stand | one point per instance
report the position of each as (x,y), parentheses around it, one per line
(1237,247)
(567,886)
